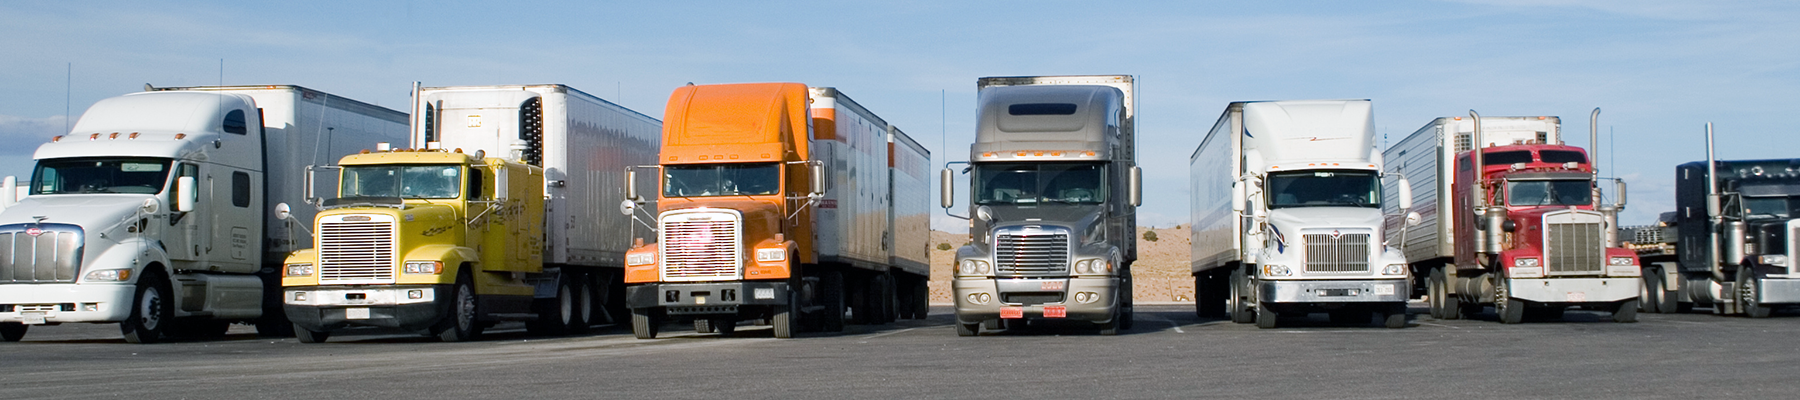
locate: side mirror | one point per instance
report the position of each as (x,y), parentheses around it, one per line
(627,207)
(818,178)
(283,212)
(946,188)
(502,191)
(1406,197)
(307,181)
(185,196)
(1413,219)
(11,187)
(1620,188)
(984,213)
(630,185)
(1237,196)
(1136,184)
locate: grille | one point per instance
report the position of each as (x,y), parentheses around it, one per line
(1576,248)
(1029,298)
(701,246)
(51,256)
(356,252)
(1344,253)
(1031,253)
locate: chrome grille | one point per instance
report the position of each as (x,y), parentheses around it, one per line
(1028,253)
(1342,253)
(356,251)
(701,246)
(1575,248)
(53,255)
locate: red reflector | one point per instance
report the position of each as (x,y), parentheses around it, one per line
(1056,312)
(1012,312)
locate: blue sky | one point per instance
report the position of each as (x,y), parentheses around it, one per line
(1660,69)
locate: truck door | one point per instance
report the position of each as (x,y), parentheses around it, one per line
(235,225)
(185,241)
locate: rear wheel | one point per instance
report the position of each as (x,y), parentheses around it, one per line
(309,336)
(644,323)
(12,331)
(1650,293)
(921,298)
(152,311)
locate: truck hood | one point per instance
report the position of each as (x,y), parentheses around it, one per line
(90,211)
(761,218)
(1291,220)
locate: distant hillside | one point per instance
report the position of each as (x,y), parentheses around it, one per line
(1161,269)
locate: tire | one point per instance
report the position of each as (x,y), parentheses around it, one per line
(556,315)
(1240,309)
(1394,317)
(1650,294)
(1434,293)
(463,323)
(643,323)
(786,318)
(152,311)
(309,336)
(831,318)
(703,325)
(1748,291)
(12,331)
(1510,310)
(1671,297)
(963,329)
(921,299)
(584,305)
(885,307)
(1266,318)
(1112,327)
(1625,312)
(1127,311)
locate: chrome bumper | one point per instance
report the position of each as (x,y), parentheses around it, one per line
(65,302)
(1335,291)
(1098,310)
(1575,290)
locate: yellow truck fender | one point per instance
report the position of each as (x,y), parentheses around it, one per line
(452,256)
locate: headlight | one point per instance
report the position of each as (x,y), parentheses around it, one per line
(1276,270)
(1773,259)
(109,275)
(1394,269)
(1092,266)
(1525,262)
(423,267)
(1621,261)
(974,267)
(767,255)
(299,269)
(640,258)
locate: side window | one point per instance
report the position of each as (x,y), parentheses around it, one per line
(234,122)
(475,189)
(240,189)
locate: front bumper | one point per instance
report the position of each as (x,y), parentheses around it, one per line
(64,302)
(1099,310)
(1575,290)
(1335,291)
(326,308)
(706,298)
(1779,291)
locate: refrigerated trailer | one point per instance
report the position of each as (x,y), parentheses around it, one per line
(153,211)
(1287,216)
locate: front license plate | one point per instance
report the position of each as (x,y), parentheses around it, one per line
(33,318)
(1056,312)
(1051,285)
(1577,297)
(1339,292)
(356,313)
(1012,312)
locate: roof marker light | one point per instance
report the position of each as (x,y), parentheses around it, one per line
(134,135)
(113,136)
(180,136)
(95,136)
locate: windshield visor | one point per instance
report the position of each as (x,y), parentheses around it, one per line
(96,175)
(1768,207)
(1549,193)
(1019,183)
(403,181)
(721,180)
(1324,189)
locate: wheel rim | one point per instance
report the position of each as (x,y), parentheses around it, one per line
(567,299)
(465,310)
(586,304)
(1501,297)
(150,306)
(1747,290)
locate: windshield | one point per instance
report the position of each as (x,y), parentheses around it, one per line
(1549,193)
(1766,207)
(721,180)
(1324,189)
(100,175)
(405,181)
(1032,183)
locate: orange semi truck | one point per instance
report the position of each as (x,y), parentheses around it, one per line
(779,203)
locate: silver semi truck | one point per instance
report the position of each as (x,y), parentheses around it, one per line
(1054,190)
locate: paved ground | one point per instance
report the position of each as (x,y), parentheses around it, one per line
(1171,353)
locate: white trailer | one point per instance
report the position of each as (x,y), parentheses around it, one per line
(582,142)
(1286,216)
(153,211)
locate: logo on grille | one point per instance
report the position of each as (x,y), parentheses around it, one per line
(1335,234)
(357,218)
(34,231)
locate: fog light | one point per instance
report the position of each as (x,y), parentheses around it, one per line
(764,293)
(299,296)
(415,294)
(90,306)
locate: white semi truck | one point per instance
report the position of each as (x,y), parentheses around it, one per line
(1287,216)
(152,211)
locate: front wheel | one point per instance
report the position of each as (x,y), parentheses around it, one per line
(1240,309)
(1510,310)
(151,312)
(963,329)
(1394,317)
(1266,318)
(463,324)
(786,317)
(644,323)
(1750,295)
(309,336)
(1625,311)
(12,331)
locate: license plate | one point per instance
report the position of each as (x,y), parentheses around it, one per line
(356,313)
(1056,312)
(33,318)
(1051,285)
(1384,290)
(1577,297)
(1012,312)
(1339,292)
